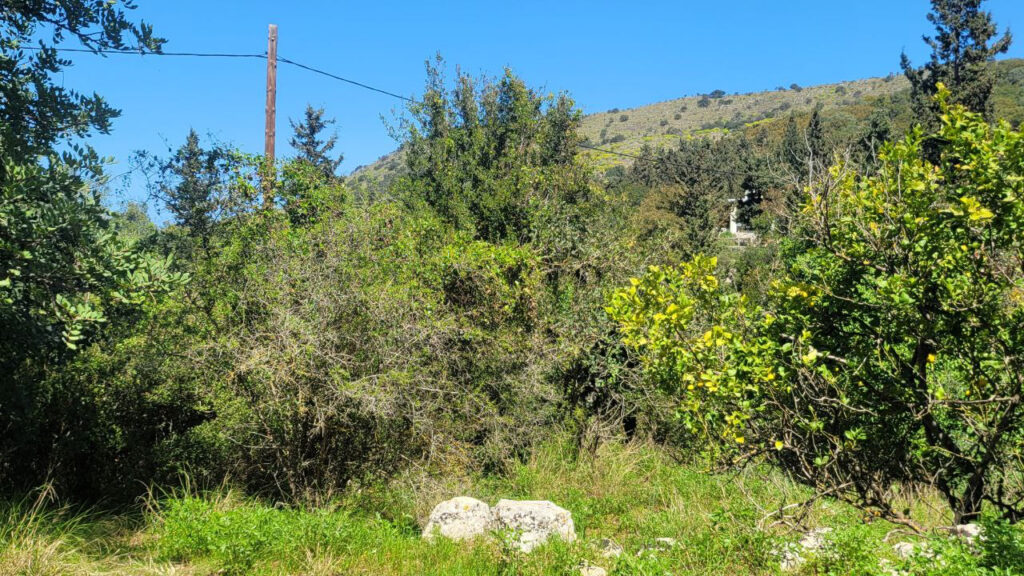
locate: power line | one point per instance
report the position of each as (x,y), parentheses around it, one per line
(145,53)
(229,55)
(342,79)
(357,84)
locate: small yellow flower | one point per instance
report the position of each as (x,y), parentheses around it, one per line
(740,440)
(779,444)
(931,358)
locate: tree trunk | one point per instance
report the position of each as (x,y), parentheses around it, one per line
(968,508)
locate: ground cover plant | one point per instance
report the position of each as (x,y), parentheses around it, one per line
(632,494)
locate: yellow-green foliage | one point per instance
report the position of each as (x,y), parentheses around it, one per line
(695,337)
(890,351)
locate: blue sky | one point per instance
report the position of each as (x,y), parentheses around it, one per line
(606,54)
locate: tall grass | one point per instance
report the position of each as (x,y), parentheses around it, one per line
(38,538)
(632,494)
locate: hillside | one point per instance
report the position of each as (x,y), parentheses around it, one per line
(663,124)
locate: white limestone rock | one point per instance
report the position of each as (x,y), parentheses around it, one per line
(460,518)
(532,522)
(665,543)
(815,539)
(904,550)
(968,532)
(789,557)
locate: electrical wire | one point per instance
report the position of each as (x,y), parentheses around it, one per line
(350,82)
(144,52)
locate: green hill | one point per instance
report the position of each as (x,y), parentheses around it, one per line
(665,123)
(846,105)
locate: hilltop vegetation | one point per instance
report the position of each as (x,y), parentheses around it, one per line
(847,105)
(664,123)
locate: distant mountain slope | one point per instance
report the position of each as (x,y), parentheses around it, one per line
(663,124)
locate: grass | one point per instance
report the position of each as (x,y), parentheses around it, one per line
(632,494)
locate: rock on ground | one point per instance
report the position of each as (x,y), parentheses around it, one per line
(460,518)
(969,532)
(665,543)
(814,539)
(609,548)
(904,550)
(593,571)
(791,556)
(532,522)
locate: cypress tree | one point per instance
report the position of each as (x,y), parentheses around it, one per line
(793,148)
(816,140)
(879,130)
(190,183)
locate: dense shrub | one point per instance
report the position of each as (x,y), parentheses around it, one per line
(334,338)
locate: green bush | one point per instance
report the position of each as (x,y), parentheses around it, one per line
(885,272)
(1002,545)
(1000,552)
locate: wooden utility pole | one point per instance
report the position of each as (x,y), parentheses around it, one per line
(271,131)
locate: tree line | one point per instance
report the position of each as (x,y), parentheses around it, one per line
(308,336)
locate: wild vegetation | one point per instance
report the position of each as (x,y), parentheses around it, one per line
(290,373)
